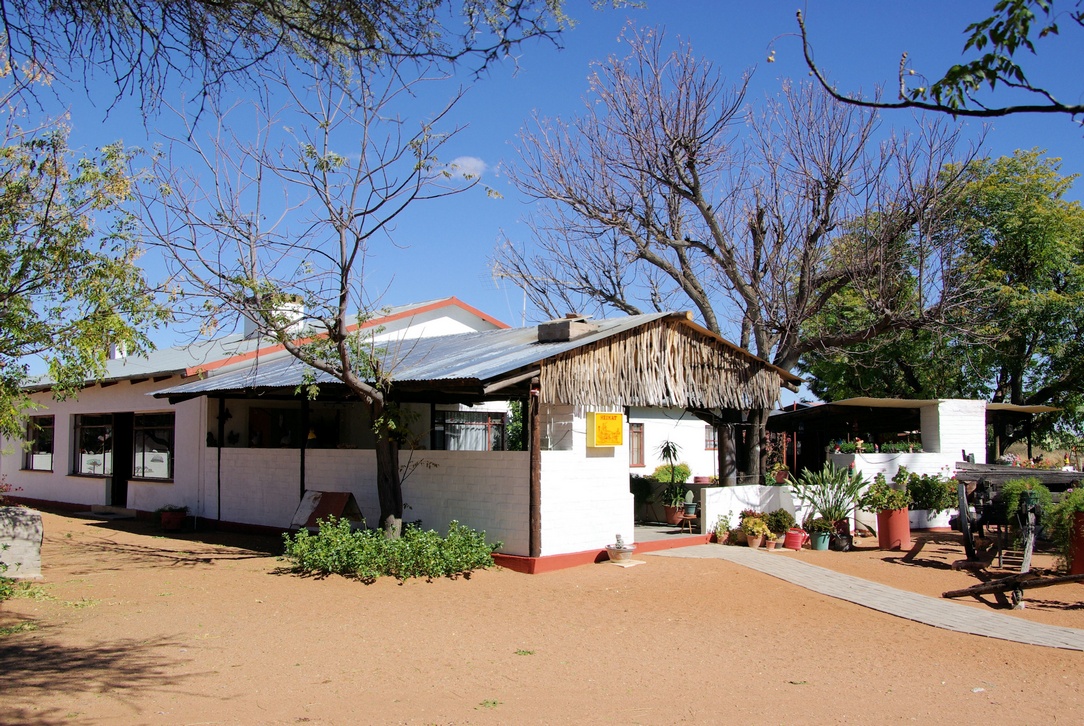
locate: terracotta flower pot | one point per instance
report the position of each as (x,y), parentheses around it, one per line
(754,542)
(673,514)
(173,521)
(893,530)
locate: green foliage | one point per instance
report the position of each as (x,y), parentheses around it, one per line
(68,273)
(882,497)
(678,473)
(674,494)
(931,491)
(1058,522)
(819,524)
(368,554)
(830,492)
(779,521)
(901,447)
(1015,341)
(515,433)
(722,528)
(1013,489)
(755,527)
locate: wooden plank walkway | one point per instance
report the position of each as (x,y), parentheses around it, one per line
(937,612)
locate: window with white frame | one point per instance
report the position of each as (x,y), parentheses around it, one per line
(39,439)
(93,449)
(152,436)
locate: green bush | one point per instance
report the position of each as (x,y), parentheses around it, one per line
(368,554)
(881,497)
(830,492)
(1058,521)
(932,491)
(779,521)
(642,488)
(681,473)
(7,585)
(1011,491)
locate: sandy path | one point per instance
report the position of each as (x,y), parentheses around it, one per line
(142,629)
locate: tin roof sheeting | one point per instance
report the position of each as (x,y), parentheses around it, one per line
(481,356)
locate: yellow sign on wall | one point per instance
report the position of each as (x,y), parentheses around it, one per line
(605,429)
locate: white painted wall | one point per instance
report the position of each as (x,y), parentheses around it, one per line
(60,485)
(586,500)
(722,501)
(870,465)
(661,424)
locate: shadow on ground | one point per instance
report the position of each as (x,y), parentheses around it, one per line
(33,667)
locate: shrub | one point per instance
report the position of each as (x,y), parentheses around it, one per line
(755,527)
(681,473)
(779,521)
(932,491)
(367,554)
(642,488)
(1058,521)
(1011,491)
(830,492)
(880,497)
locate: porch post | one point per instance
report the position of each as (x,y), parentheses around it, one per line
(728,469)
(535,476)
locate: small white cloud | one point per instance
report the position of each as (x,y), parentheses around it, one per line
(468,167)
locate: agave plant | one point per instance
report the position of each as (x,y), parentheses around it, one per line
(830,492)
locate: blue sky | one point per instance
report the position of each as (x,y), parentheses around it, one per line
(441,248)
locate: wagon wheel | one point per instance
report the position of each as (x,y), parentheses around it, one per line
(965,522)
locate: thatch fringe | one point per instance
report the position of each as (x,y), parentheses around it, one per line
(666,364)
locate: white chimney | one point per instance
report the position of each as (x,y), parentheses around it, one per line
(117,351)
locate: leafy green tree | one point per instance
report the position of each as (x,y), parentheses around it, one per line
(996,41)
(69,283)
(1020,339)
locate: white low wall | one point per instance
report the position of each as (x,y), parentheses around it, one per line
(721,501)
(869,465)
(483,490)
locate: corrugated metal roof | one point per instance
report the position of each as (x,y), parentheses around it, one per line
(479,356)
(482,357)
(181,358)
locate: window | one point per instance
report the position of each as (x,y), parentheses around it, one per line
(711,438)
(39,437)
(93,450)
(152,435)
(636,444)
(468,431)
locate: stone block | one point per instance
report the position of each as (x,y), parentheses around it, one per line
(20,542)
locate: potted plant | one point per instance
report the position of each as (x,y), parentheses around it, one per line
(893,525)
(674,475)
(755,531)
(779,522)
(1065,523)
(619,551)
(830,493)
(172,517)
(722,528)
(932,498)
(820,531)
(689,503)
(673,502)
(780,472)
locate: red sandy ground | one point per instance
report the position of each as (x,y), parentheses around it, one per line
(208,629)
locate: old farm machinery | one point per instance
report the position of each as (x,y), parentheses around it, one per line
(983,510)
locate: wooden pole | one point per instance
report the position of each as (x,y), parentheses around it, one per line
(535,477)
(1024,581)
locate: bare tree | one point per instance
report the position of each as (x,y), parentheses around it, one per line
(143,46)
(285,216)
(666,192)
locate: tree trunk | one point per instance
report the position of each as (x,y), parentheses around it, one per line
(389,488)
(754,446)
